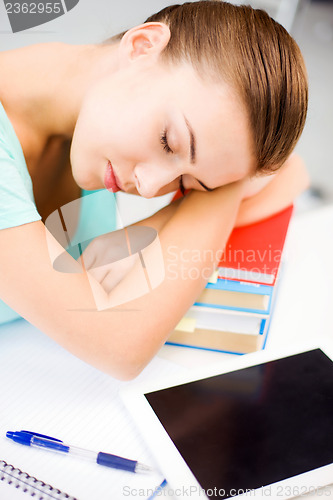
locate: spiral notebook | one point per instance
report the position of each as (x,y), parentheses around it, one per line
(24,483)
(45,389)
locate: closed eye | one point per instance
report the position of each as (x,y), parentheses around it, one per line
(181,185)
(164,142)
(204,186)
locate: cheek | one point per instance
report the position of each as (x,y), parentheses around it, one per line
(131,137)
(118,126)
(219,172)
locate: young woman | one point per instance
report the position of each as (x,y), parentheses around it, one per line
(205,96)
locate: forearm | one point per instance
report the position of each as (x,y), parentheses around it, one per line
(275,195)
(288,183)
(122,339)
(191,244)
(160,218)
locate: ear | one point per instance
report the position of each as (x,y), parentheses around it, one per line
(148,39)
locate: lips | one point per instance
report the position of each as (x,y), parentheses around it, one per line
(110,180)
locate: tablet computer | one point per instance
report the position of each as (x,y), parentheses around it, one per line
(258,426)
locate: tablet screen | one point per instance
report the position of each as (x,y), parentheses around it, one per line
(255,426)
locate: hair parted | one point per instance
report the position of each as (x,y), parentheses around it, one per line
(255,55)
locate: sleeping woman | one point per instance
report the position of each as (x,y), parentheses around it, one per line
(207,98)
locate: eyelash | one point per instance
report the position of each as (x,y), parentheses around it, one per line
(181,185)
(167,149)
(164,142)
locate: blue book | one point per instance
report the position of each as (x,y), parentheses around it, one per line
(237,296)
(220,330)
(225,330)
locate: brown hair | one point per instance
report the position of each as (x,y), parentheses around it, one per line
(256,56)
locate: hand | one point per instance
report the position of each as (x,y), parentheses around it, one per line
(284,186)
(254,184)
(110,257)
(107,260)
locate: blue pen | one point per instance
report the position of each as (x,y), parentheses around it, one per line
(46,442)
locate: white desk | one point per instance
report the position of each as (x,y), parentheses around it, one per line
(303,308)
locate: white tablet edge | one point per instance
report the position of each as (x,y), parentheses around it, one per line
(180,479)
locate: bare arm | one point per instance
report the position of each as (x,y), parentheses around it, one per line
(263,196)
(279,193)
(120,340)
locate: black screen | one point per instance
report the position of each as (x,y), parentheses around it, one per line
(255,426)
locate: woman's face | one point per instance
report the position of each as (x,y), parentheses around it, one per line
(144,129)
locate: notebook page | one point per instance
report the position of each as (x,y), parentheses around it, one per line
(45,389)
(7,492)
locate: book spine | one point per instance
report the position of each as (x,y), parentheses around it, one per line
(262,326)
(236,309)
(204,348)
(240,286)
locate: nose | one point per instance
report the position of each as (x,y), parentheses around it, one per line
(150,179)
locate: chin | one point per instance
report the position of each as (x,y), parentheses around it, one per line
(131,191)
(85,180)
(83,183)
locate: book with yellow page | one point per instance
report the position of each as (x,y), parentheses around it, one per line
(233,312)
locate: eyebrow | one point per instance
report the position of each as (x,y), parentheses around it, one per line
(193,151)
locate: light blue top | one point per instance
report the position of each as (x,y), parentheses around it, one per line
(17,204)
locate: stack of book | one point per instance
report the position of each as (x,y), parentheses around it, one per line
(233,312)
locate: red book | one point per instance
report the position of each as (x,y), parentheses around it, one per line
(253,252)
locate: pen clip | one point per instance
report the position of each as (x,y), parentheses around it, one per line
(41,436)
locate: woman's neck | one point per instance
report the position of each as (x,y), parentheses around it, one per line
(42,86)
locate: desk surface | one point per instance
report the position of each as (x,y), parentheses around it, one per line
(303,308)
